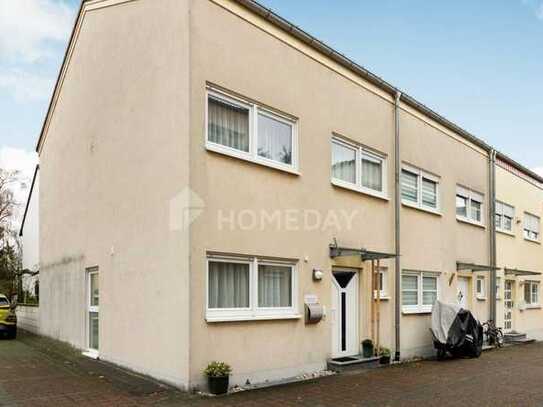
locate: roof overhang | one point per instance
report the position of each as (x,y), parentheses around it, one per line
(460,266)
(518,272)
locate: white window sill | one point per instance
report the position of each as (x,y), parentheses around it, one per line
(422,208)
(382,297)
(481,298)
(533,306)
(247,157)
(505,232)
(470,222)
(365,191)
(91,353)
(419,310)
(532,240)
(233,318)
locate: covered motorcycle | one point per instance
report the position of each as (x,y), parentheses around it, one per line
(456,331)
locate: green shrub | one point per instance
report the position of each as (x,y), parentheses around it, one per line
(217,369)
(384,351)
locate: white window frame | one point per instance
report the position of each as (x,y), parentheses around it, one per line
(422,175)
(524,228)
(360,152)
(532,303)
(480,294)
(253,312)
(471,195)
(498,288)
(91,352)
(420,308)
(500,210)
(383,292)
(254,110)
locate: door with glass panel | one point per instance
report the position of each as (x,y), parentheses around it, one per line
(345,313)
(462,292)
(93,311)
(508,304)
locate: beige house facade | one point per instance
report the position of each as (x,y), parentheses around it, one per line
(216,184)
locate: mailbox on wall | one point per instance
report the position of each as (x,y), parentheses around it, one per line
(313,313)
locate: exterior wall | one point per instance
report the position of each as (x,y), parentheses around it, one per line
(30,238)
(28,318)
(515,252)
(324,102)
(435,242)
(113,178)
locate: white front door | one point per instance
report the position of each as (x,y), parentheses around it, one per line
(508,306)
(463,292)
(345,314)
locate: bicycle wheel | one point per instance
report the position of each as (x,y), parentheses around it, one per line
(499,338)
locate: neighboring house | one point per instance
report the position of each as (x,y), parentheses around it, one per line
(29,234)
(519,209)
(208,171)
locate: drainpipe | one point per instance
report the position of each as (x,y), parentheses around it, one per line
(492,230)
(397,208)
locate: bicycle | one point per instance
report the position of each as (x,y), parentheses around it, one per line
(493,334)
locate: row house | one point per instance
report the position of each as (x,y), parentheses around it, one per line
(216,184)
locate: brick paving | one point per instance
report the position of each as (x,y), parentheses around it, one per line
(36,371)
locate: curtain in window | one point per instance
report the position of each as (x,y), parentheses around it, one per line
(409,186)
(372,174)
(274,286)
(343,163)
(409,290)
(429,193)
(228,124)
(228,285)
(429,290)
(274,139)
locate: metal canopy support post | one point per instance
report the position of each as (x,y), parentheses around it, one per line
(378,294)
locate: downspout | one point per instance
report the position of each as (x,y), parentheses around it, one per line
(397,208)
(492,237)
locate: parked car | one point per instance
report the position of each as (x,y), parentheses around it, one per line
(8,319)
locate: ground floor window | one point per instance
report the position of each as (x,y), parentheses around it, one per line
(419,291)
(531,293)
(93,309)
(480,288)
(240,288)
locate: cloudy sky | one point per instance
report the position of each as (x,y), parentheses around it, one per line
(478,63)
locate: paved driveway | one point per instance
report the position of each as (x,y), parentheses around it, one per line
(37,371)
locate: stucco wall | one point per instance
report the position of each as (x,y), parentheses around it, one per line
(113,175)
(325,102)
(515,252)
(28,318)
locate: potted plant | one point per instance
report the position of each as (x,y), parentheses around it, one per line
(367,348)
(218,374)
(384,354)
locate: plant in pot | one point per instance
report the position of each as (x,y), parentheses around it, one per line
(218,374)
(367,348)
(384,354)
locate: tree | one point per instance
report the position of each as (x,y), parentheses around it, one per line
(10,251)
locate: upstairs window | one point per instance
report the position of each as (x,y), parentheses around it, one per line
(504,217)
(355,167)
(420,189)
(531,227)
(469,205)
(246,130)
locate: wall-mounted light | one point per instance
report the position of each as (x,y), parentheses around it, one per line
(317,275)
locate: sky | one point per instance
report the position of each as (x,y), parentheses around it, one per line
(478,63)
